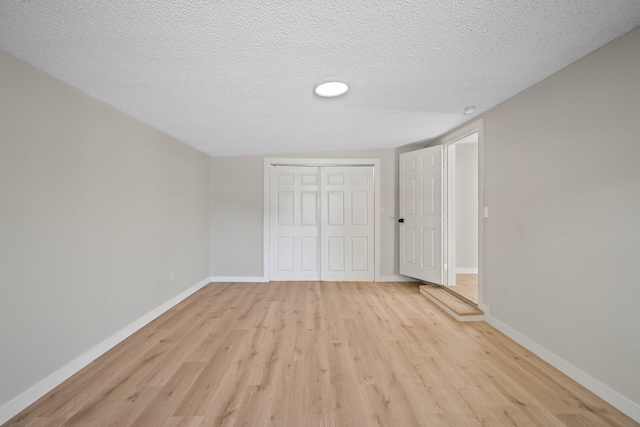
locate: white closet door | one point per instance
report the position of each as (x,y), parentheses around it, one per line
(294,247)
(421,214)
(347,223)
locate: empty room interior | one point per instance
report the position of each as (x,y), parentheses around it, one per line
(325,213)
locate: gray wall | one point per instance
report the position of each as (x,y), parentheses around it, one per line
(466,195)
(562,180)
(95,210)
(238,203)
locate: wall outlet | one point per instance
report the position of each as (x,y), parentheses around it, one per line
(485,212)
(172,275)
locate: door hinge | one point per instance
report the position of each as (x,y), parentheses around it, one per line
(445,266)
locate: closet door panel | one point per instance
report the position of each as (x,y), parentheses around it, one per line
(347,223)
(294,223)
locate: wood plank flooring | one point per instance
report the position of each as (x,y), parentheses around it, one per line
(450,300)
(467,287)
(317,354)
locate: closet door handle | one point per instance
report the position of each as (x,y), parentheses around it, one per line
(401,220)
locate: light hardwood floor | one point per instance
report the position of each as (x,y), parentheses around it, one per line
(317,354)
(467,287)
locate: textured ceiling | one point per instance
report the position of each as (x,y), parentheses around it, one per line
(236,77)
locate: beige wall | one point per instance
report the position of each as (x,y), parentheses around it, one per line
(466,207)
(95,210)
(238,205)
(237,216)
(562,243)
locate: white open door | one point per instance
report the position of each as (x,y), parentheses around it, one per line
(421,214)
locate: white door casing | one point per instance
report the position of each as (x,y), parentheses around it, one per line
(347,223)
(464,131)
(421,210)
(449,228)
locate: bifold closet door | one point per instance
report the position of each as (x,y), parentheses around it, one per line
(347,223)
(321,223)
(294,219)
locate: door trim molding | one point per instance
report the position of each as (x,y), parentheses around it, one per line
(466,130)
(295,161)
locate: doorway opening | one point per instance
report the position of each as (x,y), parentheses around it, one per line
(461,160)
(440,229)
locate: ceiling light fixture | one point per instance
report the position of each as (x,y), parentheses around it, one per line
(331,89)
(470,110)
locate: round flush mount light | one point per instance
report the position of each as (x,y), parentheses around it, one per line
(470,110)
(331,89)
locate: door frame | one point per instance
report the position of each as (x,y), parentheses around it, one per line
(266,209)
(462,132)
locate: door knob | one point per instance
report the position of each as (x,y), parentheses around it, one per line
(401,220)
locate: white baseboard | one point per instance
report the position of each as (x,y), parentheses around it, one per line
(622,403)
(396,278)
(239,279)
(485,308)
(26,398)
(261,279)
(466,270)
